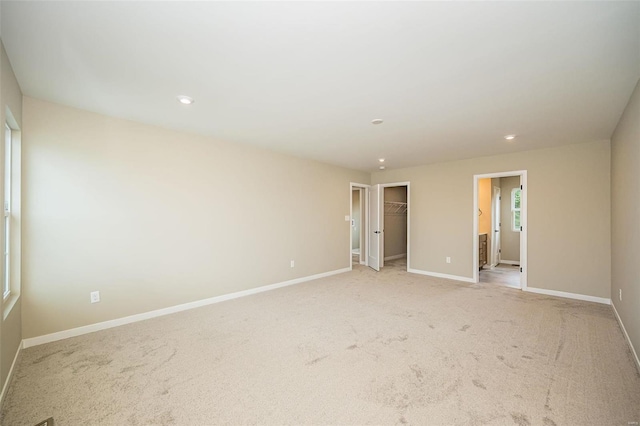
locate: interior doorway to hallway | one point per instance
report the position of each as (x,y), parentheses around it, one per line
(358,198)
(500,229)
(359,224)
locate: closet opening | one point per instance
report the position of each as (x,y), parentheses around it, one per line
(389,225)
(395,231)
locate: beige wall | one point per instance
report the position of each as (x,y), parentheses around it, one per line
(11,329)
(625,215)
(509,239)
(153,218)
(395,225)
(495,182)
(355,216)
(566,258)
(484,219)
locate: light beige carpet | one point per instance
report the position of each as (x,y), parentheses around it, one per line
(357,348)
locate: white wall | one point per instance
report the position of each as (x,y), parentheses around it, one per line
(153,218)
(566,252)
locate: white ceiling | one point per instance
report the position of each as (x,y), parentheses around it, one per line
(449,79)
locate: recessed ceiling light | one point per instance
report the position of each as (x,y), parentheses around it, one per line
(186,100)
(381,160)
(382,167)
(377,121)
(510,137)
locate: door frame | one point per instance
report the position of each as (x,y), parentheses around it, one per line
(364,222)
(523,223)
(496,205)
(390,185)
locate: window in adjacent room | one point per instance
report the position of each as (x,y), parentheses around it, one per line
(6,282)
(515,209)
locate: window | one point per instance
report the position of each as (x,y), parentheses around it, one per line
(515,209)
(6,281)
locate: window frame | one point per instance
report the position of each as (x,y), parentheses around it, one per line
(6,243)
(515,209)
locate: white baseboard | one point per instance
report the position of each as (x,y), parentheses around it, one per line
(439,275)
(517,287)
(355,251)
(5,386)
(626,335)
(396,256)
(509,262)
(65,334)
(569,295)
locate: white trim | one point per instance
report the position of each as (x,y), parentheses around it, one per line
(510,262)
(626,335)
(517,287)
(374,228)
(65,334)
(523,222)
(524,235)
(439,275)
(7,382)
(10,119)
(397,256)
(15,286)
(566,295)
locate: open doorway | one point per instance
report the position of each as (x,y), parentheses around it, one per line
(359,224)
(395,232)
(500,229)
(389,225)
(357,221)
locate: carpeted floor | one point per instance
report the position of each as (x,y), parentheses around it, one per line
(356,348)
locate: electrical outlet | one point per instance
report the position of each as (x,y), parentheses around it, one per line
(293,263)
(95,296)
(620,294)
(448,259)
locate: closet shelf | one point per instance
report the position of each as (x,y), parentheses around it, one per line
(395,207)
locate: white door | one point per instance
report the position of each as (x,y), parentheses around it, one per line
(495,222)
(375,227)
